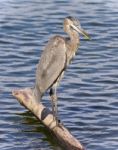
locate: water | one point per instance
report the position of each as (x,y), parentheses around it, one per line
(88,94)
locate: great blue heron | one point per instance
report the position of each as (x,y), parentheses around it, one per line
(54,60)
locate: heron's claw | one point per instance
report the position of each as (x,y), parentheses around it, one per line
(59,124)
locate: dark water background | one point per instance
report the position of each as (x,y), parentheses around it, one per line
(88,94)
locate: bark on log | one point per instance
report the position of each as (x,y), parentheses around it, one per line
(64,137)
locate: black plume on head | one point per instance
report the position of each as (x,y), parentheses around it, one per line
(74,20)
(71,18)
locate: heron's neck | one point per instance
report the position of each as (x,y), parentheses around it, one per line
(74,40)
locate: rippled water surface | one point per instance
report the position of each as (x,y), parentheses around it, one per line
(88,94)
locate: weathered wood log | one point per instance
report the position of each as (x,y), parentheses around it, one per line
(64,137)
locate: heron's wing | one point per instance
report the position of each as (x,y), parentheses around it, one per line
(52,63)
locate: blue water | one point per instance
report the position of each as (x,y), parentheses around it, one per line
(88,94)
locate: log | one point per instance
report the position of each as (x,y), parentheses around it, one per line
(63,136)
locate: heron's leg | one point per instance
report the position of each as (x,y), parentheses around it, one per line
(53,96)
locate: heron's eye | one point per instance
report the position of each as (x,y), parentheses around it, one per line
(77,24)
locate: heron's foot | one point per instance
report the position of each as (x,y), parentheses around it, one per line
(59,124)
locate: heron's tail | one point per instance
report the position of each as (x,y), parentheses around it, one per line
(37,94)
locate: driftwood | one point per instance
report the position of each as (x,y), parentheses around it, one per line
(63,136)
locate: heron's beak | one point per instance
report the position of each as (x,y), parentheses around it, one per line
(80,30)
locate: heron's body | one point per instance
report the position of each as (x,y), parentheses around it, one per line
(54,60)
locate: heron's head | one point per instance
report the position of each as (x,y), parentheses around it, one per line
(71,23)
